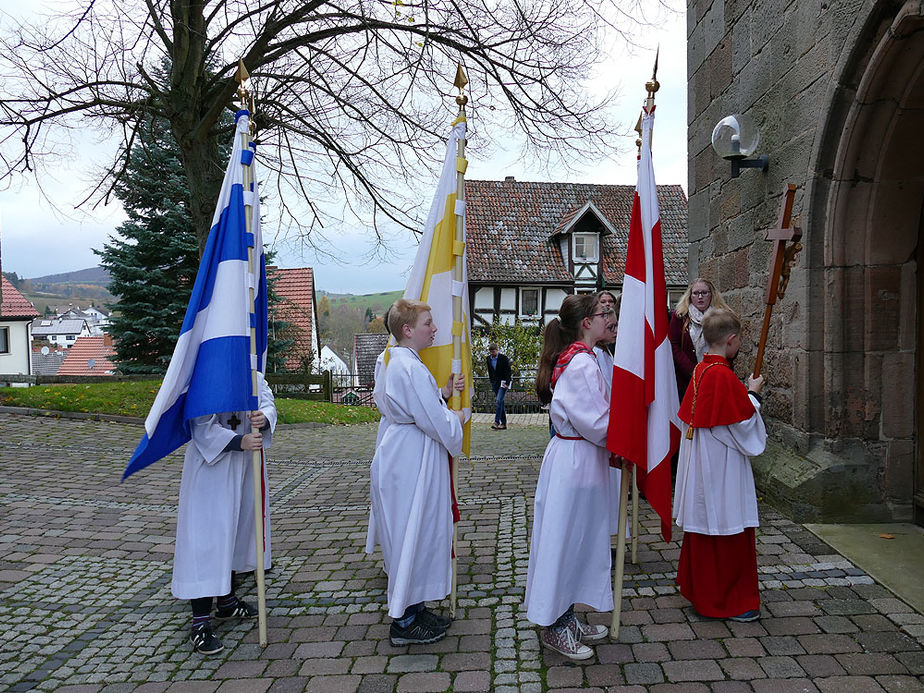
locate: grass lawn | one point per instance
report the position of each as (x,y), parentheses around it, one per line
(135,399)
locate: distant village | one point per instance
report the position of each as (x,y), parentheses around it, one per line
(560,238)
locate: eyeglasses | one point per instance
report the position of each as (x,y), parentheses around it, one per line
(594,315)
(701,293)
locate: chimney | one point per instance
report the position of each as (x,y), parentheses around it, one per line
(107,339)
(509,179)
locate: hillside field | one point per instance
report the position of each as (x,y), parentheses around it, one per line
(377,303)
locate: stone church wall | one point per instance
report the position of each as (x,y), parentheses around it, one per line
(840,361)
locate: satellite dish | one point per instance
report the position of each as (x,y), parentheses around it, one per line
(45,351)
(91,363)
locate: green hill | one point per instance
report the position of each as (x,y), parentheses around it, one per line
(377,303)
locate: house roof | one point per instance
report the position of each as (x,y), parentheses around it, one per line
(47,364)
(12,303)
(295,289)
(366,349)
(512,227)
(85,349)
(56,326)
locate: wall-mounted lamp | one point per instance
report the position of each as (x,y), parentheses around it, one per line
(735,138)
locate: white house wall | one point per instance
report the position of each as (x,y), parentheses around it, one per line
(553,299)
(17,360)
(329,361)
(484,299)
(508,299)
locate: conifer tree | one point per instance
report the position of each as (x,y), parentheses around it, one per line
(153,265)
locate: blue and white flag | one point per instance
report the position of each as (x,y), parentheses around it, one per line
(210,371)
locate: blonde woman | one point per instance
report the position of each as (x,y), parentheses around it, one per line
(686,328)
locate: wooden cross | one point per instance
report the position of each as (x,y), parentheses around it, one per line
(786,245)
(234,421)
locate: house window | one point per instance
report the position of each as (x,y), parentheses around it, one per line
(529,301)
(4,340)
(585,247)
(71,338)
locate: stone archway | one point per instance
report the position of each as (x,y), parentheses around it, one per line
(872,343)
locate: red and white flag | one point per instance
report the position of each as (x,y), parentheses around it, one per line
(644,426)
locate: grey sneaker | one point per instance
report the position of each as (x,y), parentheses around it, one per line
(420,631)
(562,640)
(434,619)
(586,632)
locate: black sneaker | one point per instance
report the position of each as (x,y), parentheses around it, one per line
(204,641)
(438,621)
(419,632)
(240,610)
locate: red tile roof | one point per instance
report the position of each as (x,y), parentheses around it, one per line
(14,304)
(511,227)
(77,361)
(295,289)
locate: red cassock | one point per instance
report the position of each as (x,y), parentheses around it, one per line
(715,500)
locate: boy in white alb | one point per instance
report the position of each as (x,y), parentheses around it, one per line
(410,486)
(714,498)
(215,518)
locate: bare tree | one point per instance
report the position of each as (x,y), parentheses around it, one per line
(350,94)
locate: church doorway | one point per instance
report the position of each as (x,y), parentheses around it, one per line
(873,250)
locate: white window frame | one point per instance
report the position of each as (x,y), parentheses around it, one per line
(538,311)
(584,237)
(4,340)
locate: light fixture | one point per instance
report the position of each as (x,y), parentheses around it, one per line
(735,138)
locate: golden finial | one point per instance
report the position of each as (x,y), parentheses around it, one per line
(460,82)
(653,85)
(242,77)
(244,95)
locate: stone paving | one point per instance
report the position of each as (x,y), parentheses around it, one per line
(85,601)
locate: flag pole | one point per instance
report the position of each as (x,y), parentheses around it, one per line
(652,86)
(246,102)
(634,516)
(455,399)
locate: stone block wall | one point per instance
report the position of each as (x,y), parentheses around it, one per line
(841,358)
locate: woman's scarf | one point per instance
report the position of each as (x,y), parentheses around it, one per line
(695,328)
(565,358)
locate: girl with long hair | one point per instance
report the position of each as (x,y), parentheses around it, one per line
(686,328)
(569,557)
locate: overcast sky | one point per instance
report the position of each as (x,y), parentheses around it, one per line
(38,239)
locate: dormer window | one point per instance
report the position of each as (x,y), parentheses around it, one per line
(585,247)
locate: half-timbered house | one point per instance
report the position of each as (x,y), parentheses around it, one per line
(531,244)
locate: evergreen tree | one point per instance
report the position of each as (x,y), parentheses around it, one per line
(153,269)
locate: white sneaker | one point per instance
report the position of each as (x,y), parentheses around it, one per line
(563,641)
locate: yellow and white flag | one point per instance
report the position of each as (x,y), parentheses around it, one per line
(432,277)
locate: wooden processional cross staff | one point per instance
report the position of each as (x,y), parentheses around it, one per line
(786,245)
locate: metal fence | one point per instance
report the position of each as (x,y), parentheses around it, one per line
(520,399)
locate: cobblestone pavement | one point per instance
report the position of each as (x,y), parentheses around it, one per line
(85,601)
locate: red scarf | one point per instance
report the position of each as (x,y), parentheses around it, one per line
(565,358)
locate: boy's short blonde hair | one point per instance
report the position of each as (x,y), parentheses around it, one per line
(404,312)
(718,325)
